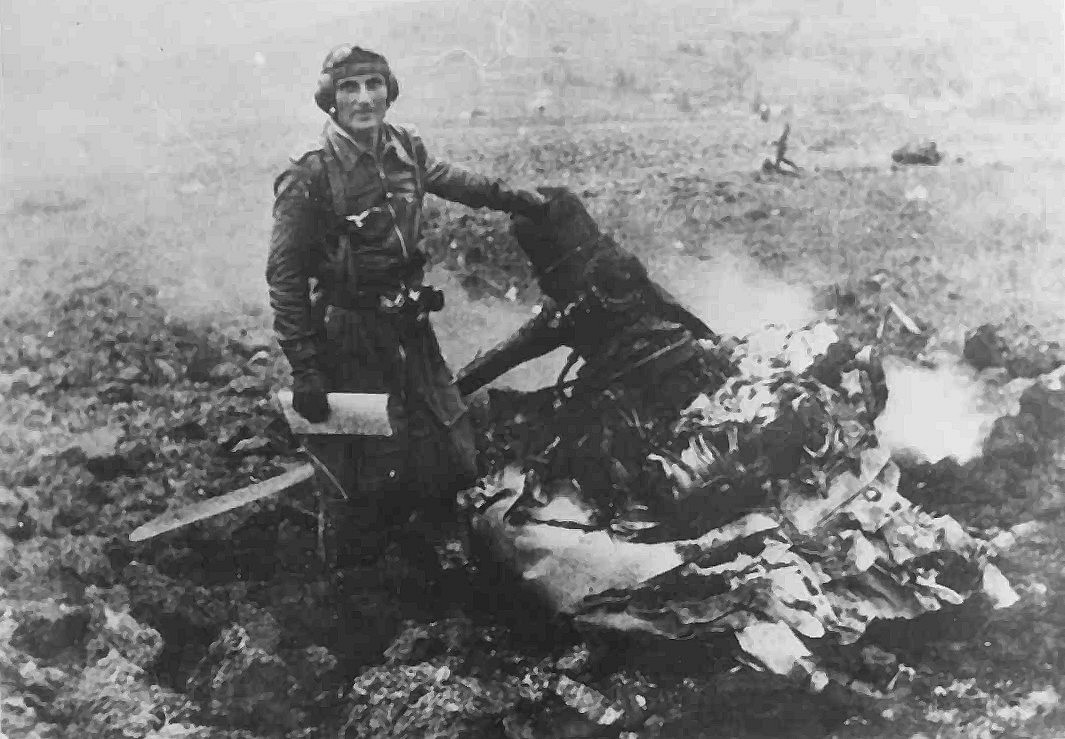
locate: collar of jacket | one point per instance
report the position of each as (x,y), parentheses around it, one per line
(350,151)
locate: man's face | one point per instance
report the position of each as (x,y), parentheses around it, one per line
(362,101)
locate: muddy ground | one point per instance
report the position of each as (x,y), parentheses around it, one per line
(237,627)
(136,366)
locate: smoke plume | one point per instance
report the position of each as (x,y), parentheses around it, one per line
(733,297)
(732,294)
(935,413)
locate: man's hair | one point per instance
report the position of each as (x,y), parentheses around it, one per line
(347,60)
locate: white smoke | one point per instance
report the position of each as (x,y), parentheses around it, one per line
(932,412)
(733,295)
(466,327)
(935,413)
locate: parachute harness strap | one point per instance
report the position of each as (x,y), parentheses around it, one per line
(553,267)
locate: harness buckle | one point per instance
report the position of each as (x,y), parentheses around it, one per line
(360,218)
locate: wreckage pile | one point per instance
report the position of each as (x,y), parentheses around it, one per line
(781,520)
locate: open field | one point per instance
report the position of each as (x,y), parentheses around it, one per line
(139,145)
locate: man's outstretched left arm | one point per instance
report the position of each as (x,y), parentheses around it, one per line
(461,185)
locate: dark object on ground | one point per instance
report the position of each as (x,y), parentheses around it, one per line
(1031,356)
(780,163)
(1019,349)
(923,152)
(48,627)
(1047,407)
(985,348)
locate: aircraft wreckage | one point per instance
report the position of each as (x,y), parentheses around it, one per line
(684,484)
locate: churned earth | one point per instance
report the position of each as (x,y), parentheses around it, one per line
(136,364)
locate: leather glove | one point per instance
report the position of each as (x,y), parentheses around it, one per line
(308,396)
(532,205)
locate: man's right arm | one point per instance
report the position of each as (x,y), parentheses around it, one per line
(294,242)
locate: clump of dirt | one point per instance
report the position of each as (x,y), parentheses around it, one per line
(1018,349)
(917,152)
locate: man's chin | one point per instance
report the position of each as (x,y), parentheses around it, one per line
(361,125)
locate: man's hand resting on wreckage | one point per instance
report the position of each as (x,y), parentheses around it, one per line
(308,396)
(528,204)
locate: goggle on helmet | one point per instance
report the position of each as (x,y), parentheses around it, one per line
(344,61)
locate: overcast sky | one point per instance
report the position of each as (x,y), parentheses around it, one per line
(63,31)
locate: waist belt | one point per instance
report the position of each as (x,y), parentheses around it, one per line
(360,301)
(420,299)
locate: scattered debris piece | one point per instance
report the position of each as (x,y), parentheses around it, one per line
(1022,354)
(48,627)
(1027,530)
(119,631)
(421,700)
(184,515)
(908,323)
(254,445)
(129,374)
(1029,706)
(232,434)
(924,152)
(780,162)
(998,589)
(984,348)
(1003,541)
(587,701)
(247,385)
(251,342)
(575,661)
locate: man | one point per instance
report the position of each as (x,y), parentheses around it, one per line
(350,311)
